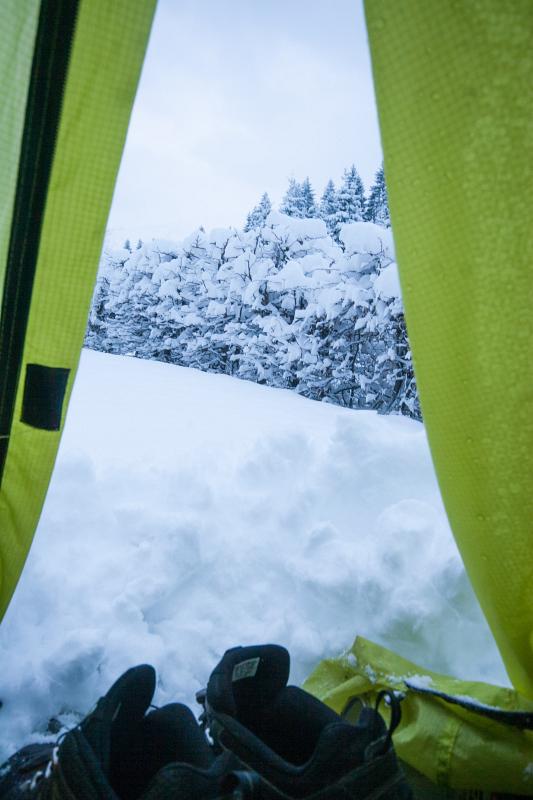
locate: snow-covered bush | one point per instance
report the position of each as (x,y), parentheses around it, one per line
(283,304)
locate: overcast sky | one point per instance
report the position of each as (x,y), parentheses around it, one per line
(236,96)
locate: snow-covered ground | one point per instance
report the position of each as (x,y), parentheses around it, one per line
(191,512)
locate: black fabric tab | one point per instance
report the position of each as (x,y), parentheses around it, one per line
(44,392)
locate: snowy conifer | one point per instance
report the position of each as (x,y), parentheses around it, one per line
(329,207)
(292,203)
(377,208)
(309,208)
(257,216)
(350,199)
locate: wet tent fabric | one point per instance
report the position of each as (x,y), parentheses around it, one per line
(101,70)
(454,85)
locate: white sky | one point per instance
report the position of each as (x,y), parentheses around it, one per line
(235,97)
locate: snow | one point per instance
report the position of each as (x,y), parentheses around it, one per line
(301,228)
(387,283)
(367,237)
(291,277)
(190,512)
(472,701)
(420,681)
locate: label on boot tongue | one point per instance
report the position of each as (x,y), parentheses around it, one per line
(246,669)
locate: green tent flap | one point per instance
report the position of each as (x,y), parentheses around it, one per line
(454,84)
(103,66)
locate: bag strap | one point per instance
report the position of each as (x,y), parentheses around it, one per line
(516,719)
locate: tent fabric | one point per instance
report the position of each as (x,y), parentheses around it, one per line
(105,61)
(451,745)
(454,85)
(17,36)
(57,19)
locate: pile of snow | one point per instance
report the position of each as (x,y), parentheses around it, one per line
(191,512)
(367,237)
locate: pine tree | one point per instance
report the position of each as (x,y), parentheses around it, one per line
(350,198)
(329,207)
(292,203)
(377,209)
(257,216)
(139,244)
(127,245)
(309,208)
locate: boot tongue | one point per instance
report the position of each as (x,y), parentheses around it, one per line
(116,720)
(246,677)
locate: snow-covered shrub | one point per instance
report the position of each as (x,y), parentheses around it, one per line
(283,304)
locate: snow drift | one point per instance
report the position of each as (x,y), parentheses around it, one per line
(190,512)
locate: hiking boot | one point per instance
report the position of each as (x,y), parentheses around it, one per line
(296,745)
(120,752)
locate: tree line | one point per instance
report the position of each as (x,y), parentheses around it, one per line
(283,302)
(336,207)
